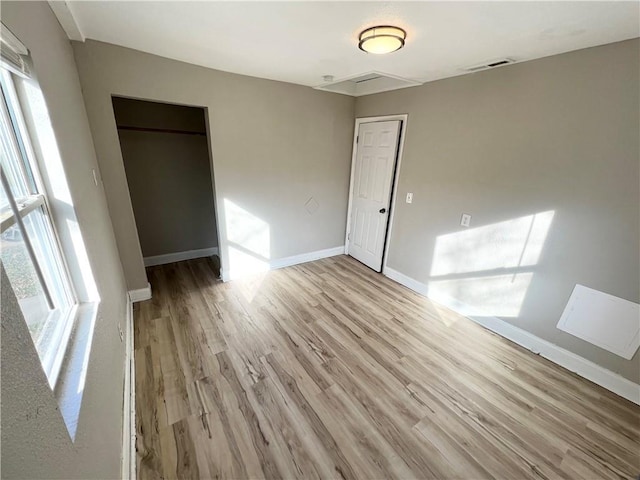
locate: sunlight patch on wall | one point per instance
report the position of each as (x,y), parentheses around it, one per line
(489,269)
(497,296)
(47,144)
(249,242)
(509,244)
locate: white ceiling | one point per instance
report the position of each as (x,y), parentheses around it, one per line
(300,42)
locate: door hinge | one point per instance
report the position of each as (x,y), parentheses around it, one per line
(357,138)
(348,236)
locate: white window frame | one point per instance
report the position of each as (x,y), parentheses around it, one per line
(63,314)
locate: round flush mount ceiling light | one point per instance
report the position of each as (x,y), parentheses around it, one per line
(382,39)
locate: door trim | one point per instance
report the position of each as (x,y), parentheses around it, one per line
(394,187)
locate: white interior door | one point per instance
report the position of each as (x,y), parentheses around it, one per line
(371,194)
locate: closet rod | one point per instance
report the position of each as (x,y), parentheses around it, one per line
(160,130)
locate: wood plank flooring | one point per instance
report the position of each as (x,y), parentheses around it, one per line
(329,370)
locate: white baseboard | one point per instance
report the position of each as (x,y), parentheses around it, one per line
(295,260)
(306,257)
(141,294)
(129,402)
(575,363)
(408,282)
(179,256)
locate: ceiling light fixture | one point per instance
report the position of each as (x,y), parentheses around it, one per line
(382,39)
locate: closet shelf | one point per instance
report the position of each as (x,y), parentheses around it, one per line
(160,130)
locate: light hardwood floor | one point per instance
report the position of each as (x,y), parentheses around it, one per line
(329,370)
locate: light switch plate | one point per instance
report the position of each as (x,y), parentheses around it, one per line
(409,197)
(465,221)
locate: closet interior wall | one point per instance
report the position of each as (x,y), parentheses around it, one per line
(168,168)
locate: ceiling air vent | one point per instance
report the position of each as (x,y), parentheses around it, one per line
(366,78)
(491,64)
(367,83)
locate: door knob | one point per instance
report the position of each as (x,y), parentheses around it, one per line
(383,210)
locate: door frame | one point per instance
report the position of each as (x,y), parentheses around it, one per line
(403,117)
(222,253)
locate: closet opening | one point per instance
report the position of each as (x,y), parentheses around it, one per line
(165,149)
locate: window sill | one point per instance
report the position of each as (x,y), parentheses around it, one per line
(70,384)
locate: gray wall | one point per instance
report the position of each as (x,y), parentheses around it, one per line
(274,146)
(35,442)
(169,176)
(558,134)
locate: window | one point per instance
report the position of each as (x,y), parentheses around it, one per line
(29,246)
